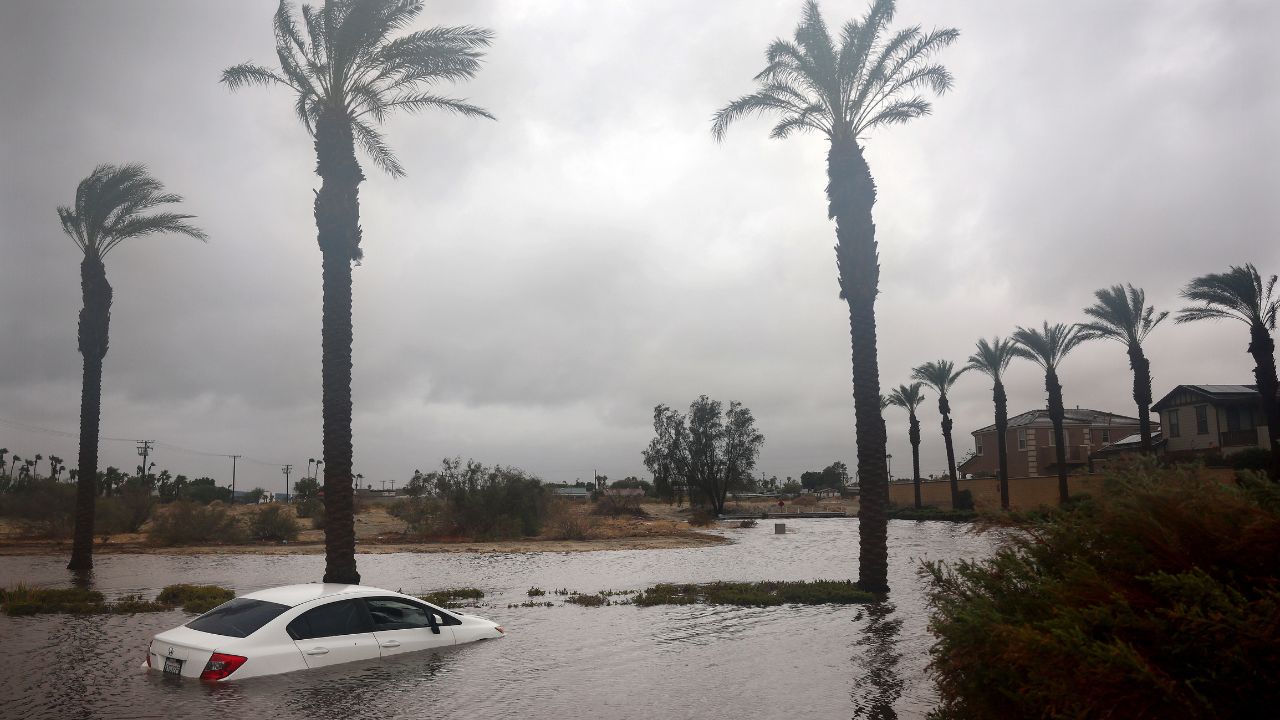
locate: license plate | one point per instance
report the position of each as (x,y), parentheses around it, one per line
(172,666)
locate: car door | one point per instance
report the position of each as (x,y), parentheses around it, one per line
(403,626)
(335,632)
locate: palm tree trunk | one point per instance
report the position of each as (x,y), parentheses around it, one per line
(337,212)
(851,194)
(1056,415)
(944,407)
(913,433)
(1002,451)
(1263,350)
(92,336)
(1142,395)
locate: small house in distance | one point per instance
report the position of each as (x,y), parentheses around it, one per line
(1030,442)
(572,492)
(1212,420)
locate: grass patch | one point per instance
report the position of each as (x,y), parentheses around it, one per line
(536,592)
(932,513)
(530,604)
(596,600)
(198,599)
(454,597)
(22,600)
(755,594)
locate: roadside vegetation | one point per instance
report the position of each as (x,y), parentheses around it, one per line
(1157,598)
(196,599)
(756,594)
(454,597)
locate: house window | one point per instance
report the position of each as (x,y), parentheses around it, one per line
(1239,418)
(1174,429)
(1202,419)
(977,444)
(1106,436)
(1022,439)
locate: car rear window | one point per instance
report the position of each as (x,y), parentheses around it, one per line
(240,617)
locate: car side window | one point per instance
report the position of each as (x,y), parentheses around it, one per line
(396,614)
(344,617)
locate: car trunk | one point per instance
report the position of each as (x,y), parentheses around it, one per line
(184,650)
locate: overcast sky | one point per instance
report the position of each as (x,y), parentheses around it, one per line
(536,285)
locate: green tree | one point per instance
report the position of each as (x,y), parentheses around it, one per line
(992,359)
(941,375)
(1240,294)
(349,74)
(667,454)
(909,398)
(306,489)
(1121,313)
(114,204)
(1048,348)
(867,79)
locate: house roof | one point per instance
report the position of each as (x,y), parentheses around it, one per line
(1074,417)
(1210,393)
(572,491)
(1130,444)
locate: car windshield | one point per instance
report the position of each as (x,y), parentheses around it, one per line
(240,617)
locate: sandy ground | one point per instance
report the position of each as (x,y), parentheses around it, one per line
(379,532)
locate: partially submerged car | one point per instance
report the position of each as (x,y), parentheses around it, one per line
(296,627)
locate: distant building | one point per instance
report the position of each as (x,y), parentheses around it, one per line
(1030,442)
(1212,420)
(572,493)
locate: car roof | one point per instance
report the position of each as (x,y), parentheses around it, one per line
(294,595)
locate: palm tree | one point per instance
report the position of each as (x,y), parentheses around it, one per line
(909,397)
(1124,316)
(114,204)
(35,467)
(1047,348)
(992,358)
(349,75)
(1240,294)
(941,375)
(867,80)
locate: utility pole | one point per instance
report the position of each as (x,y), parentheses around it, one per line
(285,470)
(233,476)
(144,449)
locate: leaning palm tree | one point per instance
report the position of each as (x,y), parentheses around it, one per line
(114,204)
(1047,348)
(909,398)
(844,89)
(349,75)
(941,375)
(992,359)
(1240,294)
(1123,315)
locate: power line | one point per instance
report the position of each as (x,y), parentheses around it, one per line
(168,446)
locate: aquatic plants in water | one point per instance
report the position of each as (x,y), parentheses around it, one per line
(755,594)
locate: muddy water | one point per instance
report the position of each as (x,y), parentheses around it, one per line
(557,663)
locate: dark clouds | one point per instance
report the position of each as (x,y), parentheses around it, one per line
(536,285)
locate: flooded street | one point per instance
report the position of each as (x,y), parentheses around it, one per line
(560,662)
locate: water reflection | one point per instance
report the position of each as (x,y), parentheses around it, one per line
(878,688)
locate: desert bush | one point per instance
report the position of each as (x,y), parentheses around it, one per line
(489,503)
(125,512)
(273,522)
(317,517)
(568,522)
(418,514)
(186,523)
(701,517)
(308,507)
(747,523)
(805,500)
(41,507)
(1157,598)
(198,599)
(964,500)
(619,505)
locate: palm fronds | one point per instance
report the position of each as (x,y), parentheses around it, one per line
(938,374)
(1121,313)
(992,358)
(111,206)
(1049,346)
(1238,294)
(907,397)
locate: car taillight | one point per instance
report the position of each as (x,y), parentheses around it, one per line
(221,665)
(500,629)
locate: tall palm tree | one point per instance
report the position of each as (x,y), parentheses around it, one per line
(1123,315)
(1047,348)
(114,204)
(909,398)
(1240,294)
(941,375)
(867,79)
(349,75)
(992,359)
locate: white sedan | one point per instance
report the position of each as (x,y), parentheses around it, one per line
(296,627)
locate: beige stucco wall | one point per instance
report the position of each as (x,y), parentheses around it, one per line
(1025,493)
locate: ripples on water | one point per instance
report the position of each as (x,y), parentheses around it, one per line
(559,663)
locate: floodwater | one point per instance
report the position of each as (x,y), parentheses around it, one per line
(563,662)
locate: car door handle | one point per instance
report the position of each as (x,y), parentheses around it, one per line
(391,644)
(318,651)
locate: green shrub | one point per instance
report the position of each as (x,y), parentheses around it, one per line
(125,512)
(964,500)
(596,600)
(41,507)
(486,503)
(22,600)
(1250,459)
(755,594)
(273,523)
(418,514)
(196,599)
(308,507)
(536,592)
(186,523)
(1156,598)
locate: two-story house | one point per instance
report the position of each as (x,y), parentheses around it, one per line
(1212,419)
(1030,442)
